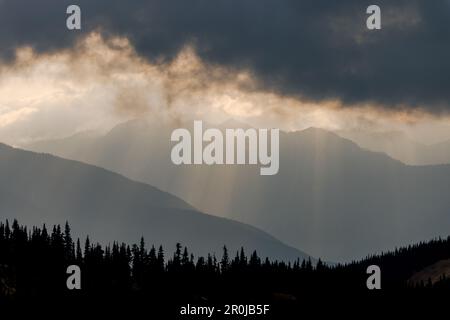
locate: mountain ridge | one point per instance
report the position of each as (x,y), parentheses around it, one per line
(41,188)
(331,197)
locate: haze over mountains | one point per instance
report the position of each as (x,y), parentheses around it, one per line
(40,188)
(399,146)
(331,198)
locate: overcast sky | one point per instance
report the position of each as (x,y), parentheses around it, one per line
(284,63)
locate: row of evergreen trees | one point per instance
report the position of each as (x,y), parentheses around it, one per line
(17,239)
(34,261)
(113,267)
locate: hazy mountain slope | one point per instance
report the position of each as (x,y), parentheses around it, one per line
(38,188)
(330,197)
(68,145)
(400,147)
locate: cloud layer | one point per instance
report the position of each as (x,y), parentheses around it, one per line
(316,50)
(99,83)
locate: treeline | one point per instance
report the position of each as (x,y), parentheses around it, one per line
(34,261)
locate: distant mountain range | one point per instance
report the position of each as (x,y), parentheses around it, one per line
(41,188)
(331,198)
(399,146)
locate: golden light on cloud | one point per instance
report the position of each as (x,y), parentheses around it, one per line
(102,82)
(8,117)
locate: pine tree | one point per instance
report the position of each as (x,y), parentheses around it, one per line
(320,266)
(79,255)
(68,243)
(7,230)
(44,233)
(160,258)
(185,258)
(255,262)
(177,256)
(210,263)
(242,259)
(142,250)
(200,266)
(87,247)
(152,258)
(225,262)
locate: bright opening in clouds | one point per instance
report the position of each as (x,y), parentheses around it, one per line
(103,82)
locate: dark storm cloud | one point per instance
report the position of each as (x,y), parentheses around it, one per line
(311,49)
